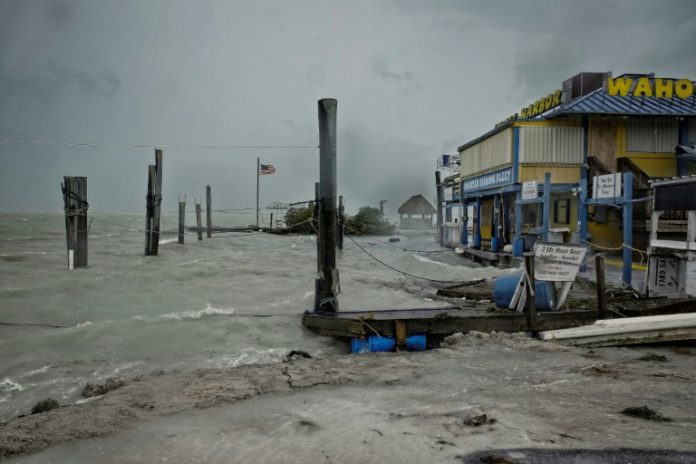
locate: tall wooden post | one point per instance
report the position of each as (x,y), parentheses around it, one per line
(602,312)
(75,204)
(440,230)
(341,221)
(271,224)
(198,220)
(154,205)
(327,284)
(258,166)
(530,303)
(149,209)
(182,214)
(208,212)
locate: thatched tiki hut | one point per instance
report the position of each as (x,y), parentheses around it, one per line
(416,213)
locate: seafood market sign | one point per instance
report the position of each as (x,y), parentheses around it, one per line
(557,262)
(486,181)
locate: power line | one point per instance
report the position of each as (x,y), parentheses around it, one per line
(175,147)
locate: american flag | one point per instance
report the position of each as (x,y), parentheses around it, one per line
(266,169)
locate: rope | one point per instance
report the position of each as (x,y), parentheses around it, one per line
(369,326)
(643,253)
(400,271)
(357,232)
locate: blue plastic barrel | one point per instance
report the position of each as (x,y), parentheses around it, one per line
(359,345)
(381,344)
(415,343)
(373,344)
(377,344)
(505,286)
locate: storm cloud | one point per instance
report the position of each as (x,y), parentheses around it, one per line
(413,80)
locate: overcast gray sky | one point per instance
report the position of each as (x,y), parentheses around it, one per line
(413,79)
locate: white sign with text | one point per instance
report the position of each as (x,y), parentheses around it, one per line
(529,190)
(606,186)
(557,262)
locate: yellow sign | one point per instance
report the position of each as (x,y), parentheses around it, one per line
(543,104)
(552,100)
(649,87)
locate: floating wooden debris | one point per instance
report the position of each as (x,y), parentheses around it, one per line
(628,331)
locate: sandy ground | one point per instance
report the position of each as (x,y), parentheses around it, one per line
(537,398)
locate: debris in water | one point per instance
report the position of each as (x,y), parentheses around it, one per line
(644,412)
(44,405)
(296,354)
(394,240)
(93,389)
(492,459)
(476,420)
(653,357)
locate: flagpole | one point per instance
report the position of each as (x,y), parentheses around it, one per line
(258,161)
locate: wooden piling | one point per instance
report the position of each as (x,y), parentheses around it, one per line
(182,214)
(198,221)
(341,221)
(270,226)
(328,274)
(149,209)
(208,211)
(602,312)
(530,303)
(400,334)
(75,204)
(153,211)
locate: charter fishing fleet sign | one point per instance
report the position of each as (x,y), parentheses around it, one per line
(557,262)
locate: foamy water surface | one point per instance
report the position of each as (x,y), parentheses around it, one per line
(234,299)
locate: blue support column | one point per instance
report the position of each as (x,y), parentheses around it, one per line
(518,242)
(546,214)
(465,224)
(584,174)
(477,226)
(627,227)
(496,224)
(582,212)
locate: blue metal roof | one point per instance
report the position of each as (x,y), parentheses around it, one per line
(598,102)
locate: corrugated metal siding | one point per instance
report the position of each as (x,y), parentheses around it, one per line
(559,174)
(652,135)
(491,153)
(692,130)
(551,145)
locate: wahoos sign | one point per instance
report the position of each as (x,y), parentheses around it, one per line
(649,87)
(494,179)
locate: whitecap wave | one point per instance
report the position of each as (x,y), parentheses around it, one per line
(423,259)
(168,240)
(188,315)
(8,386)
(251,356)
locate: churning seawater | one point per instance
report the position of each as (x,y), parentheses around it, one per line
(234,299)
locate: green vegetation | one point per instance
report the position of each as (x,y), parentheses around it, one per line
(368,221)
(297,219)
